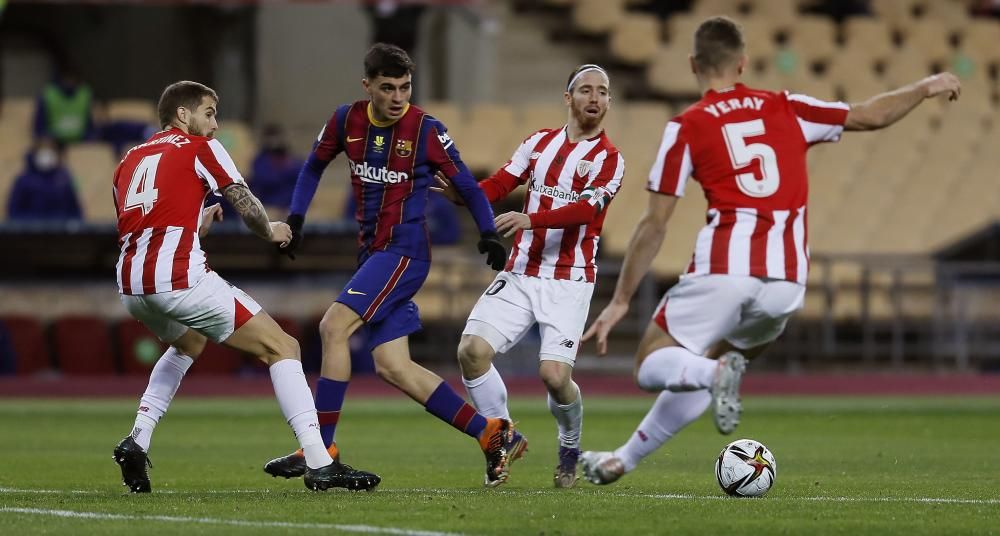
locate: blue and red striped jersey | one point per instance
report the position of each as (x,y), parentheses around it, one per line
(392,166)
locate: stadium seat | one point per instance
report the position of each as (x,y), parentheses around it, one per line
(219,360)
(905,67)
(929,38)
(680,28)
(635,39)
(16,115)
(138,348)
(30,347)
(710,8)
(894,11)
(760,35)
(330,200)
(597,16)
(868,36)
(780,12)
(83,346)
(670,72)
(93,164)
(489,137)
(133,110)
(980,37)
(446,112)
(813,38)
(536,116)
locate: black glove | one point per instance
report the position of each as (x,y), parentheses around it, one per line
(294,221)
(496,253)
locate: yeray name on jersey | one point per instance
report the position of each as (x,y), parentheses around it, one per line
(731,105)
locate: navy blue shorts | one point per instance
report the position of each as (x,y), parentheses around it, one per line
(381,293)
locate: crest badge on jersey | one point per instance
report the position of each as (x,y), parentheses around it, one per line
(583,167)
(379,144)
(404,148)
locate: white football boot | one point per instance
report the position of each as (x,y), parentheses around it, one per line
(601,467)
(726,404)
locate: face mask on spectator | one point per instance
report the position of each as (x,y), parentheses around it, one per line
(275,144)
(46,159)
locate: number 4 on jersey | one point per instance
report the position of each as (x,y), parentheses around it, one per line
(142,191)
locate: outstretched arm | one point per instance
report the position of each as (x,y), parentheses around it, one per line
(885,109)
(253,213)
(642,249)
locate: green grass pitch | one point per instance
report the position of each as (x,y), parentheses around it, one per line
(845,466)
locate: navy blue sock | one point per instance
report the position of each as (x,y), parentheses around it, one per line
(445,404)
(329,400)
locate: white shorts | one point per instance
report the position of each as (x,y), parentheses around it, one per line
(513,303)
(699,311)
(212,307)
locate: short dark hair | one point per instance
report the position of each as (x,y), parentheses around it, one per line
(388,60)
(184,93)
(718,43)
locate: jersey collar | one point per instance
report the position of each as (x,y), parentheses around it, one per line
(383,124)
(738,86)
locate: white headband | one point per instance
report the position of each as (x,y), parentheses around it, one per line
(585,68)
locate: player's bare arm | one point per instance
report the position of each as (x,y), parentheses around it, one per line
(885,109)
(642,249)
(209,216)
(250,209)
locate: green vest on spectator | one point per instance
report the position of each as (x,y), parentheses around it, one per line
(67,115)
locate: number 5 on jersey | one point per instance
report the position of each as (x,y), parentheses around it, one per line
(142,191)
(743,154)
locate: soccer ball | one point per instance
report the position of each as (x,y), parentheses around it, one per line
(745,468)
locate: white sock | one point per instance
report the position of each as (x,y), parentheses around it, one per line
(163,383)
(676,369)
(569,418)
(489,394)
(296,401)
(670,413)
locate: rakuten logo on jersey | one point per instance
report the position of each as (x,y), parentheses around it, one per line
(378,175)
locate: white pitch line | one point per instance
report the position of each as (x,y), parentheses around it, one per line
(524,492)
(365,529)
(934,500)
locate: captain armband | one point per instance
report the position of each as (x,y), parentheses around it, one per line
(597,197)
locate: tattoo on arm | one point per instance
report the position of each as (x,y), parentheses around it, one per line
(250,209)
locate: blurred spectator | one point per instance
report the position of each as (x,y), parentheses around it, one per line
(395,23)
(64,109)
(442,220)
(121,134)
(44,190)
(274,172)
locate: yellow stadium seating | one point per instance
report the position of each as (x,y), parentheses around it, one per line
(133,110)
(635,38)
(93,167)
(597,16)
(670,71)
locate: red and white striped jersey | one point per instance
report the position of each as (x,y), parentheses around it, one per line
(159,189)
(558,173)
(747,148)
